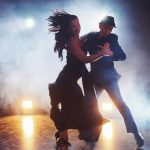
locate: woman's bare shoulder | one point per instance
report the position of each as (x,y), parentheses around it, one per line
(73,41)
(73,44)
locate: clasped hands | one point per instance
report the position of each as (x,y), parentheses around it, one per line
(105,50)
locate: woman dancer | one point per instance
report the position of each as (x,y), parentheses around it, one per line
(66,91)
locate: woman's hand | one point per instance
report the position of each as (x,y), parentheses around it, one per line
(105,50)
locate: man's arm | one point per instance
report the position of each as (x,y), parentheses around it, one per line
(118,53)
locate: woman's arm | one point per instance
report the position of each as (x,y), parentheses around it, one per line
(74,47)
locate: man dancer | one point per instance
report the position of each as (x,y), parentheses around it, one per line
(104,73)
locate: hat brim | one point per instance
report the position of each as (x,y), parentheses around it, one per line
(109,23)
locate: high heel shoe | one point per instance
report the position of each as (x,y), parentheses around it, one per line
(60,142)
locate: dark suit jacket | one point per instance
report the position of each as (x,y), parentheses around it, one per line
(103,70)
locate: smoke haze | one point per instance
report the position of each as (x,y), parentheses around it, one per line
(28,63)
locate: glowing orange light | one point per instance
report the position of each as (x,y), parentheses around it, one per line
(28,126)
(27,104)
(107,131)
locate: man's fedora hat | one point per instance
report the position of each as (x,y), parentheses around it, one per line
(108,20)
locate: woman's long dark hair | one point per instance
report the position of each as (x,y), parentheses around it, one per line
(59,23)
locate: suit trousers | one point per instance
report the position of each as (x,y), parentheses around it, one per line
(115,95)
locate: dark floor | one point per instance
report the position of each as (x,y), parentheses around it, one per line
(37,133)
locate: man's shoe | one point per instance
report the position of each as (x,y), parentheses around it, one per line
(139,139)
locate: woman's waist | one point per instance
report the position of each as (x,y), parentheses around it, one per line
(69,76)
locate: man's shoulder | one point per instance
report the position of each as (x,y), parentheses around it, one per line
(92,35)
(113,36)
(93,32)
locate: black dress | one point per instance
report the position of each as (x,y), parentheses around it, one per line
(75,112)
